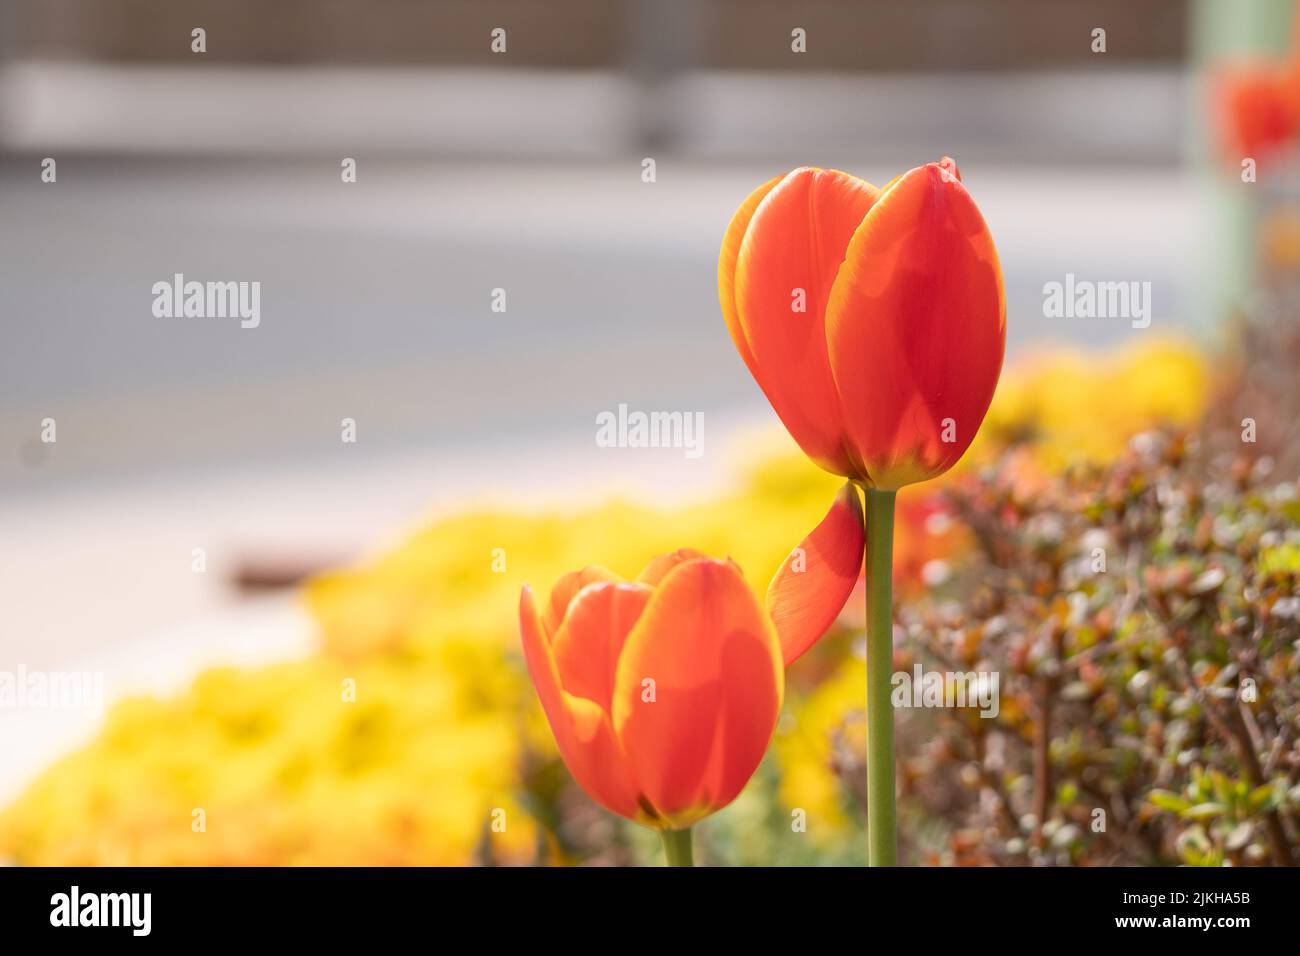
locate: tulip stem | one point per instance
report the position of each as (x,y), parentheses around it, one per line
(882,829)
(677,847)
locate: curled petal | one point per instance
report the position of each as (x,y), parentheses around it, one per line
(589,640)
(784,274)
(660,565)
(582,728)
(916,326)
(731,241)
(566,589)
(698,690)
(812,585)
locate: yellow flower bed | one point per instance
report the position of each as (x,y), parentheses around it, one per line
(425,766)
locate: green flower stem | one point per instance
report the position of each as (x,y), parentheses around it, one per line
(677,847)
(882,827)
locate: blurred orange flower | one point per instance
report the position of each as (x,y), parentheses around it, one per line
(1258,108)
(1257,104)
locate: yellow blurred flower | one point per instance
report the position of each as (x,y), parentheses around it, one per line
(1073,406)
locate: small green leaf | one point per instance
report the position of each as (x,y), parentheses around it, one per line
(1205,811)
(1168,801)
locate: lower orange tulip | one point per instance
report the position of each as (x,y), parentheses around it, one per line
(663,692)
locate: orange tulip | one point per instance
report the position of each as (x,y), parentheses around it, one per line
(873,319)
(1258,109)
(1257,103)
(663,692)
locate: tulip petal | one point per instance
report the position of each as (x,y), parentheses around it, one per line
(566,589)
(588,643)
(583,731)
(916,326)
(660,565)
(715,662)
(731,241)
(810,589)
(789,257)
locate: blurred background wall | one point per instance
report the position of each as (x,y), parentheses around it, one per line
(705,77)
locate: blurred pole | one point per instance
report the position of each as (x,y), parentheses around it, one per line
(8,54)
(661,44)
(1224,31)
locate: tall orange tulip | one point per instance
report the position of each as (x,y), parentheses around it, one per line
(874,320)
(663,692)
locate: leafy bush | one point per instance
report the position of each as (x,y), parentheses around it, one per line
(1142,618)
(1141,612)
